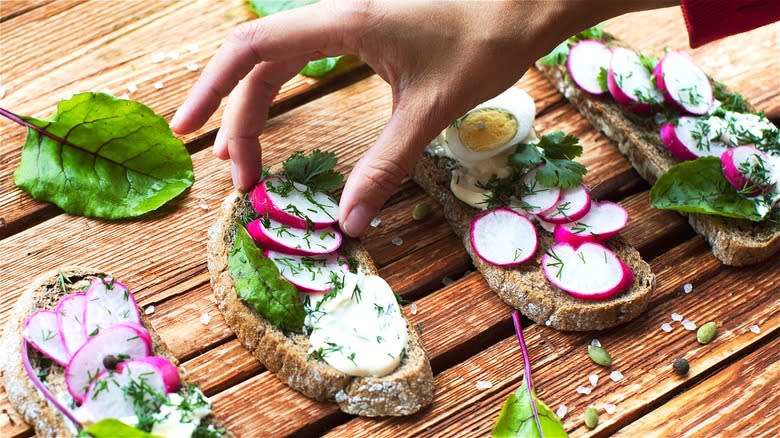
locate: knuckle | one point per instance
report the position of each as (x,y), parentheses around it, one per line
(384,175)
(245,33)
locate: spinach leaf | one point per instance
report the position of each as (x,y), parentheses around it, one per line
(699,186)
(260,285)
(561,51)
(516,417)
(313,69)
(102,157)
(113,428)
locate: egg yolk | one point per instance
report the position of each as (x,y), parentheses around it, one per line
(486,129)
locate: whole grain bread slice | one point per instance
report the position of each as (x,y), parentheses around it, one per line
(44,293)
(404,391)
(524,287)
(735,242)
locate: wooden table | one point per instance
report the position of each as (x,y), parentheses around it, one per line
(53,48)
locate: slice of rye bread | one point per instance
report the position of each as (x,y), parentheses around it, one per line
(525,287)
(44,293)
(735,242)
(404,391)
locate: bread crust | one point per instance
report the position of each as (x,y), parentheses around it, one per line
(43,293)
(735,242)
(524,287)
(405,391)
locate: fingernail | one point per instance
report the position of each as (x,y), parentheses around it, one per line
(176,120)
(234,173)
(218,140)
(358,219)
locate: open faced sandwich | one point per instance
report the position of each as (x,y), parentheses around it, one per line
(529,223)
(79,359)
(307,301)
(710,154)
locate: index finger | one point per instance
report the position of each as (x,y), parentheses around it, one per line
(281,36)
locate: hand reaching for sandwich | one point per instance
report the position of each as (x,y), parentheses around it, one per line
(440,58)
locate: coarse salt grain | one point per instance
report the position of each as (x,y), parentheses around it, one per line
(375,222)
(3,90)
(593,379)
(125,96)
(413,308)
(615,375)
(755,329)
(397,241)
(192,66)
(157,85)
(202,204)
(561,411)
(483,384)
(689,325)
(609,408)
(595,343)
(192,48)
(666,327)
(173,55)
(149,309)
(205,318)
(583,390)
(676,317)
(447,281)
(158,57)
(687,288)
(131,87)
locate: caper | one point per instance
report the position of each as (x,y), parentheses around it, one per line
(591,417)
(599,355)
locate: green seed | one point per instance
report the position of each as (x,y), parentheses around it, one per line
(591,417)
(599,355)
(707,333)
(421,211)
(681,366)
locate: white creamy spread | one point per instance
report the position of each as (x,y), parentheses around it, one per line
(173,421)
(357,328)
(730,128)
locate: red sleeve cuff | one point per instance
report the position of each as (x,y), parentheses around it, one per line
(709,20)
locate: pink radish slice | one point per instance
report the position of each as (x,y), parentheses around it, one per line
(280,237)
(32,374)
(547,226)
(542,198)
(603,221)
(121,340)
(309,273)
(162,366)
(683,83)
(70,321)
(503,237)
(589,272)
(40,330)
(291,203)
(586,60)
(682,139)
(107,397)
(574,204)
(630,84)
(739,167)
(108,303)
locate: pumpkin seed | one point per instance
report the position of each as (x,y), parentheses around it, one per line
(421,211)
(591,417)
(707,333)
(599,355)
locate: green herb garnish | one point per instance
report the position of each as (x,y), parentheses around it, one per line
(315,170)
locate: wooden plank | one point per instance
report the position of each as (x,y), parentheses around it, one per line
(561,364)
(737,401)
(10,9)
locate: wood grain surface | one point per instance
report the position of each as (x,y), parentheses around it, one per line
(107,45)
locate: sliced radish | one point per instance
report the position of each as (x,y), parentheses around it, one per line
(503,237)
(162,366)
(630,84)
(277,236)
(292,203)
(122,341)
(683,83)
(108,396)
(604,220)
(542,198)
(589,272)
(547,226)
(309,273)
(573,205)
(745,168)
(109,302)
(688,139)
(70,320)
(40,330)
(586,60)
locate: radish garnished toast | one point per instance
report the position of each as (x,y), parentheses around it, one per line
(79,359)
(307,302)
(528,221)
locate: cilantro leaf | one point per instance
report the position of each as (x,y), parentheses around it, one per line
(557,145)
(602,79)
(561,173)
(315,170)
(527,156)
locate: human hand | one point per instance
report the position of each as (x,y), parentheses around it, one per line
(440,58)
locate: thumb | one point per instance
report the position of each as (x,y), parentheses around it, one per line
(379,173)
